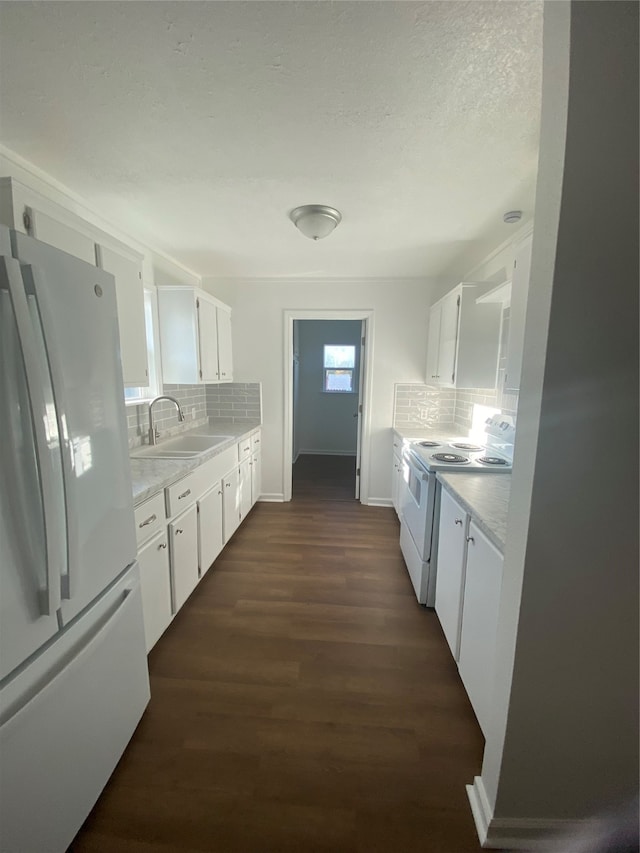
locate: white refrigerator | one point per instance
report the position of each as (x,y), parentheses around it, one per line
(73,668)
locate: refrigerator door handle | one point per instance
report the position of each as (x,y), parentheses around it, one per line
(37,289)
(49,597)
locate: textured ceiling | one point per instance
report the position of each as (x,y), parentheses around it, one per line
(197,126)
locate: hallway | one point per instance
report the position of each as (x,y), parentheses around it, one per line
(301,701)
(323,477)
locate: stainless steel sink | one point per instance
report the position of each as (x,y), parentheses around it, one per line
(181,447)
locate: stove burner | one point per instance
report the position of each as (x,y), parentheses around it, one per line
(429,443)
(462,446)
(453,458)
(492,460)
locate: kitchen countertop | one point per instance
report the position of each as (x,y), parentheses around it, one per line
(485,497)
(150,475)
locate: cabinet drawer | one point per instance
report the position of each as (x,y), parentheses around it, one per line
(183,493)
(244,448)
(149,518)
(255,442)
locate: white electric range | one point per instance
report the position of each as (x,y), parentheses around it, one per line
(419,498)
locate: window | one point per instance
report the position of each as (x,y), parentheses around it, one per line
(339,366)
(148,392)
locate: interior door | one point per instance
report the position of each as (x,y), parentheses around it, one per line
(363,339)
(75,319)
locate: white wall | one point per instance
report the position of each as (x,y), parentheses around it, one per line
(399,353)
(564,739)
(325,422)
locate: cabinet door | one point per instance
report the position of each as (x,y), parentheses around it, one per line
(209,527)
(245,487)
(480,622)
(225,357)
(396,481)
(517,315)
(256,477)
(452,545)
(448,344)
(433,343)
(131,320)
(183,537)
(208,341)
(155,584)
(230,504)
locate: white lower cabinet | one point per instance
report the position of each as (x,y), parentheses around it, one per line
(452,549)
(244,486)
(155,585)
(182,529)
(396,473)
(230,504)
(183,541)
(480,608)
(256,477)
(210,540)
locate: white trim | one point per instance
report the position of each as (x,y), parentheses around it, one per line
(38,181)
(275,497)
(380,502)
(290,315)
(517,833)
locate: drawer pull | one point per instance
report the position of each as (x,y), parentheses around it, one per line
(179,530)
(458,521)
(471,539)
(257,441)
(148,520)
(161,546)
(184,494)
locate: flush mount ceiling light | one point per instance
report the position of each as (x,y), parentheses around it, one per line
(315,221)
(512,216)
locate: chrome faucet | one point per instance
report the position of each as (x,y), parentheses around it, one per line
(153,432)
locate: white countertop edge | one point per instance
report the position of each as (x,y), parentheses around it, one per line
(489,510)
(149,476)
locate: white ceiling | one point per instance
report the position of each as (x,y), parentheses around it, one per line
(197,126)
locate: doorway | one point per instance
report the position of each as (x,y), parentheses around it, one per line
(327,368)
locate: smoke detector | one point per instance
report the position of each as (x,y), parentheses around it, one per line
(512,216)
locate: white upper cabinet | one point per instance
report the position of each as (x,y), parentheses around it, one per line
(464,340)
(126,268)
(519,294)
(195,336)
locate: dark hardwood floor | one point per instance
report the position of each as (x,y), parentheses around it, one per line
(326,478)
(301,701)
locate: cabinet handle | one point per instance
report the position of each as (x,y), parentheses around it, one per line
(161,546)
(179,530)
(184,494)
(148,520)
(458,521)
(257,441)
(470,539)
(228,485)
(219,493)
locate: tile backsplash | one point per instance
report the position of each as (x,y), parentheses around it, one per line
(423,405)
(236,401)
(427,405)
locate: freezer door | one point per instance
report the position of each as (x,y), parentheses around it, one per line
(67,718)
(32,522)
(73,306)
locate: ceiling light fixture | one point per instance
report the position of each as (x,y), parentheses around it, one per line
(512,216)
(315,221)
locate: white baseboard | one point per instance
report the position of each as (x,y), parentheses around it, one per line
(379,502)
(276,497)
(516,833)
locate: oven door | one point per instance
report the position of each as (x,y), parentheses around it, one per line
(418,503)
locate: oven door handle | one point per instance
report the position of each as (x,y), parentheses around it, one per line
(418,471)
